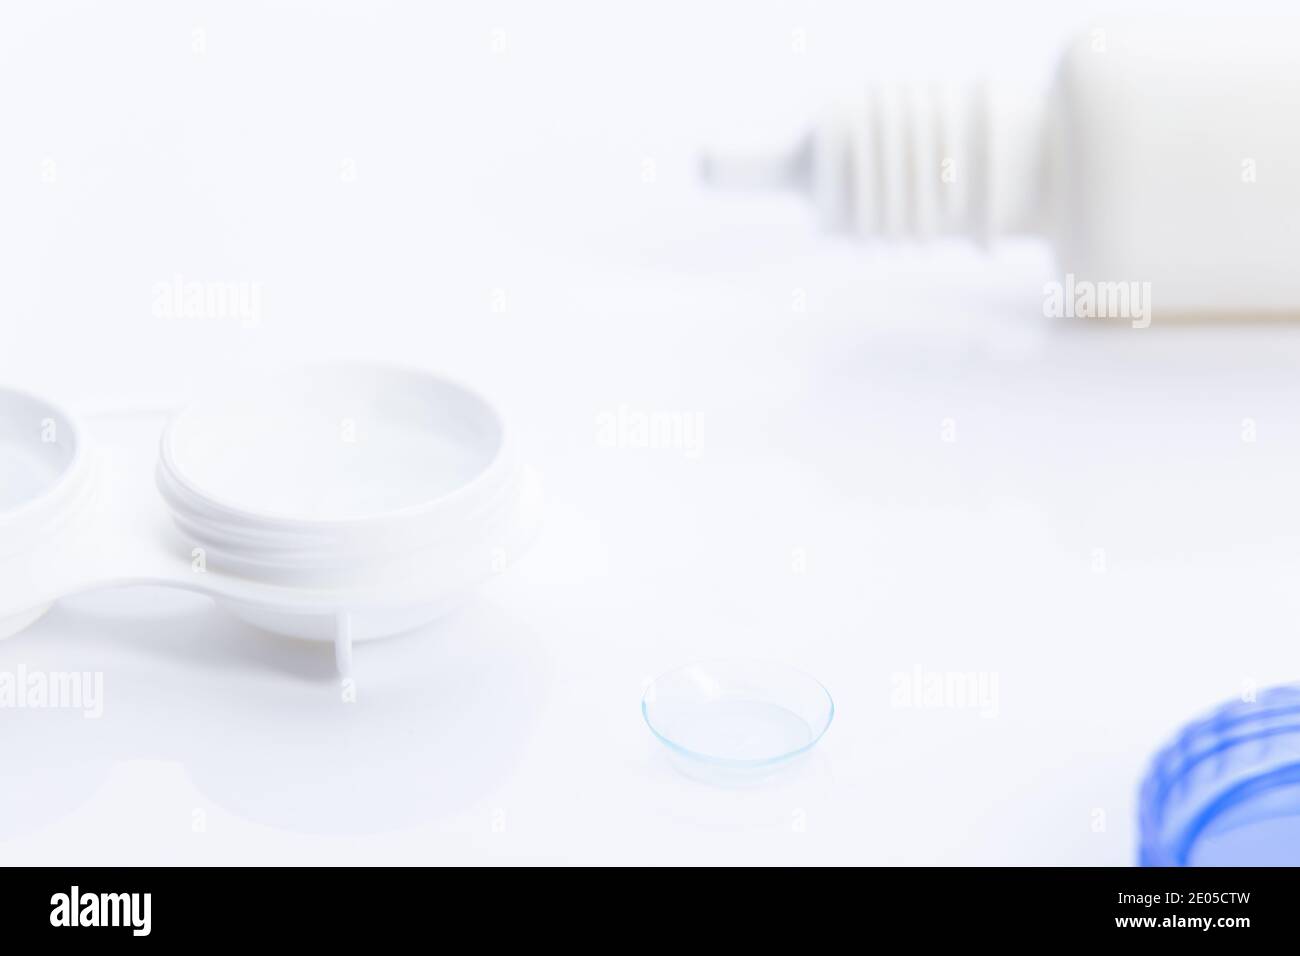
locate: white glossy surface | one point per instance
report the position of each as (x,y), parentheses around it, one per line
(824,522)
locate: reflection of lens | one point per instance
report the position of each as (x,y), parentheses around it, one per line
(1226,791)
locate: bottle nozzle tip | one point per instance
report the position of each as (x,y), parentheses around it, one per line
(753,170)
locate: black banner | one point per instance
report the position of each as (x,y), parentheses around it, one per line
(338,906)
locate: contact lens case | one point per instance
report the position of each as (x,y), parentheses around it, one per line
(339,502)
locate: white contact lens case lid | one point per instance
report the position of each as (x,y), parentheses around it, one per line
(334,502)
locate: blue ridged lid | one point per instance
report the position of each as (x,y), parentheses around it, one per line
(1226,790)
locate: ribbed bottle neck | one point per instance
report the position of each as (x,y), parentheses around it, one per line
(917,161)
(925,161)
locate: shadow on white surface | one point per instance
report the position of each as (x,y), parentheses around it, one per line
(261,725)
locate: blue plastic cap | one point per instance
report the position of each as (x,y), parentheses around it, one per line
(1226,791)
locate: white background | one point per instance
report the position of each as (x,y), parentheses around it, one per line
(384,171)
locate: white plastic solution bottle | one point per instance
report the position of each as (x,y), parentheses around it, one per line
(1164,161)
